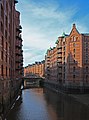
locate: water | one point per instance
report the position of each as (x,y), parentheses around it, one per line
(43,104)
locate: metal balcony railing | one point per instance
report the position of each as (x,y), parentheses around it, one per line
(15,1)
(17,29)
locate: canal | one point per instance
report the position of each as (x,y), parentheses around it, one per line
(43,104)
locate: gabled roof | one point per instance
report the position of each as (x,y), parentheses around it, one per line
(74,29)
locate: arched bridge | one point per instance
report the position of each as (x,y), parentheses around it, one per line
(30,82)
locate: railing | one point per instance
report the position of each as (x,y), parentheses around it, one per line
(17,29)
(15,1)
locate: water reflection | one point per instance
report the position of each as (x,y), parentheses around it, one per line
(65,107)
(43,104)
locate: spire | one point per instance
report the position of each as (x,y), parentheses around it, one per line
(74,26)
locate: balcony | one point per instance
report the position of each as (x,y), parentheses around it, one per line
(20,27)
(15,1)
(21,64)
(21,54)
(59,47)
(19,68)
(59,52)
(17,29)
(17,61)
(18,46)
(59,63)
(59,71)
(59,57)
(19,38)
(48,56)
(21,51)
(21,60)
(18,54)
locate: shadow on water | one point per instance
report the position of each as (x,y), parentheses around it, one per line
(43,104)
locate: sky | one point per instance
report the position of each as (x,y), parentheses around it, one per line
(43,21)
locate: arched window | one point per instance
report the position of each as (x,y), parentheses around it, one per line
(74,38)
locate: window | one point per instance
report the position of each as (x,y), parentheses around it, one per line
(74,50)
(63,40)
(63,43)
(2,55)
(74,61)
(64,58)
(74,38)
(2,11)
(6,46)
(74,55)
(64,69)
(2,27)
(71,39)
(86,69)
(2,42)
(73,76)
(6,71)
(86,45)
(74,44)
(86,78)
(86,61)
(86,49)
(6,34)
(1,70)
(74,69)
(6,21)
(86,57)
(6,58)
(64,75)
(6,6)
(86,40)
(9,28)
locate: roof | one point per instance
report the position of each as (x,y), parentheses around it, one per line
(86,34)
(64,35)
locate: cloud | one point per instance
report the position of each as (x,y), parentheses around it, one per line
(33,55)
(43,22)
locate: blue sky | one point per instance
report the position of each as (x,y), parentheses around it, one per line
(44,20)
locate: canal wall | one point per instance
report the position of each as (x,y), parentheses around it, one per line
(80,97)
(8,97)
(72,89)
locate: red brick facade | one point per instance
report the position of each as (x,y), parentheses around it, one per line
(35,69)
(9,31)
(68,62)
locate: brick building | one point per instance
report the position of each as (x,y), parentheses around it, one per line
(37,69)
(68,62)
(9,30)
(18,47)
